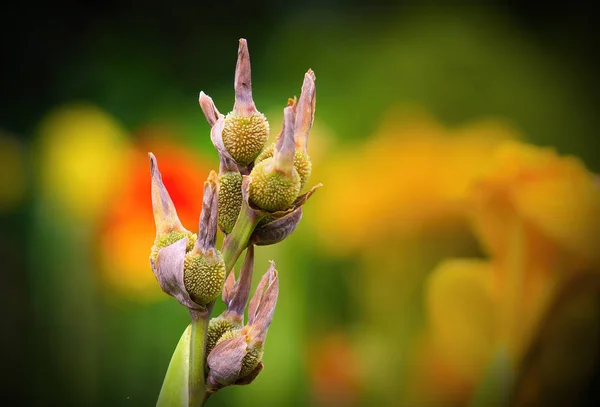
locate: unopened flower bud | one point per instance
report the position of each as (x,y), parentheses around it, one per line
(168,226)
(230,178)
(230,199)
(246,130)
(275,182)
(204,275)
(302,162)
(204,268)
(304,116)
(239,352)
(235,296)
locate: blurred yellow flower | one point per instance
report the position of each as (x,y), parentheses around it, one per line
(413,174)
(538,217)
(82,152)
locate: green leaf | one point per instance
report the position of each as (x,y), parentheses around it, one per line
(174,391)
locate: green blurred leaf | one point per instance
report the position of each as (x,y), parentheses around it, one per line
(174,391)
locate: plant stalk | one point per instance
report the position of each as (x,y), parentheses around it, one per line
(196,384)
(235,243)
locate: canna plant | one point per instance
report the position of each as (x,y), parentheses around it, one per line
(255,200)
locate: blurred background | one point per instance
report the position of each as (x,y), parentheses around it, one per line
(450,259)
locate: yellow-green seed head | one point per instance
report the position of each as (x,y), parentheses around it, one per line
(266,153)
(230,199)
(245,137)
(233,333)
(272,190)
(252,359)
(253,356)
(170,238)
(303,165)
(203,279)
(216,328)
(302,162)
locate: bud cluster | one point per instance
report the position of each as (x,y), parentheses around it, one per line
(255,199)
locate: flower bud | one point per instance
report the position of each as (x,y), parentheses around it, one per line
(204,275)
(204,267)
(304,112)
(275,182)
(230,178)
(171,244)
(168,226)
(230,199)
(246,130)
(245,137)
(238,353)
(302,162)
(235,296)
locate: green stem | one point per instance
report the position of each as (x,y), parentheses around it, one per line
(185,382)
(196,383)
(235,243)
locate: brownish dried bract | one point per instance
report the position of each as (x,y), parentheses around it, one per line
(168,270)
(250,377)
(225,361)
(237,294)
(305,111)
(217,123)
(209,109)
(278,230)
(238,356)
(283,157)
(244,105)
(165,214)
(262,305)
(207,228)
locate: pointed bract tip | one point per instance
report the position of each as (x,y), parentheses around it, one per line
(286,147)
(208,108)
(305,111)
(207,227)
(242,287)
(228,288)
(244,105)
(212,178)
(165,214)
(153,165)
(261,313)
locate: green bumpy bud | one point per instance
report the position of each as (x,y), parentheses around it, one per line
(253,357)
(303,165)
(302,162)
(203,277)
(170,238)
(266,153)
(273,190)
(244,137)
(216,328)
(230,200)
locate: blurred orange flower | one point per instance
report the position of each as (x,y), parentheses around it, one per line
(538,217)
